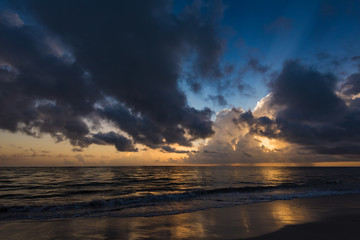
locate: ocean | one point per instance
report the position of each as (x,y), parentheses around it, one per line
(70,192)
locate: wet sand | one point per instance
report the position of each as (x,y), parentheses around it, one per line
(342,227)
(335,217)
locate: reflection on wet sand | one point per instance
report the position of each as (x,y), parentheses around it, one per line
(219,223)
(285,213)
(182,226)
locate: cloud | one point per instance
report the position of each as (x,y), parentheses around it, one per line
(121,143)
(256,66)
(253,66)
(250,69)
(11,19)
(81,61)
(173,150)
(305,92)
(218,99)
(245,88)
(77,150)
(153,132)
(351,86)
(309,116)
(233,142)
(311,112)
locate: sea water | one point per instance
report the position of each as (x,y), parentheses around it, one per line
(69,192)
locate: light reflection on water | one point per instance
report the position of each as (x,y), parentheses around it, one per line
(275,175)
(63,185)
(226,223)
(43,193)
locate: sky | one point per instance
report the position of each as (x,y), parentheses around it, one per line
(88,83)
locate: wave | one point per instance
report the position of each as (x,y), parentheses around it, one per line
(204,198)
(149,198)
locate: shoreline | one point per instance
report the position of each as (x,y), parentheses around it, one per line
(344,226)
(280,219)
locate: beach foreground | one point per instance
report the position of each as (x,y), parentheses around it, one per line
(333,217)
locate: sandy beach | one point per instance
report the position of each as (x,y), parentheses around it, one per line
(334,217)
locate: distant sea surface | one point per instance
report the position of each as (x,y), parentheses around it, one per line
(69,192)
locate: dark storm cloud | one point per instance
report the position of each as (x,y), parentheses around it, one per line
(40,93)
(76,55)
(171,128)
(174,150)
(121,143)
(306,93)
(311,113)
(200,31)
